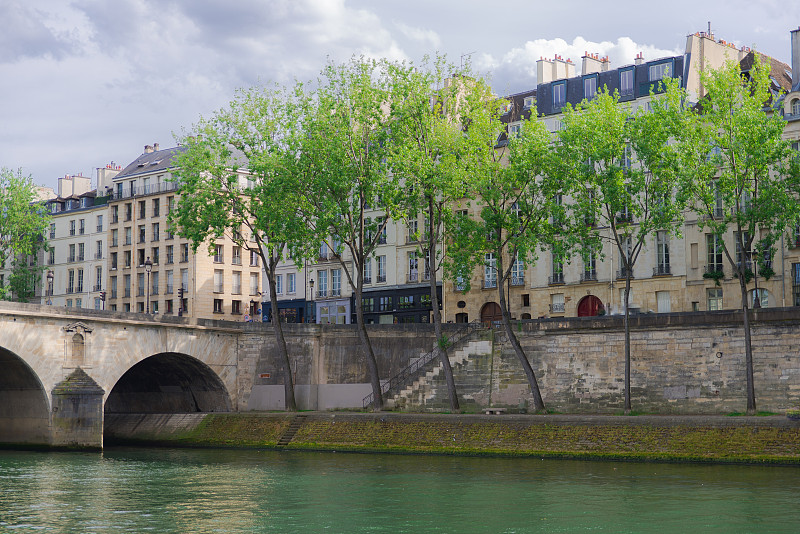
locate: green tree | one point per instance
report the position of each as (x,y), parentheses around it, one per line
(427,155)
(345,174)
(23,221)
(741,175)
(516,197)
(237,178)
(624,175)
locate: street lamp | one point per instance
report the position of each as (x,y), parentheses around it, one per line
(50,277)
(148,266)
(311,311)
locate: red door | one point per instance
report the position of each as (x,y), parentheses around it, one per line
(589,306)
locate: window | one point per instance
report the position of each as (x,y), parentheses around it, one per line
(140,253)
(170,282)
(154,283)
(253,258)
(625,302)
(82,226)
(79,303)
(154,255)
(659,71)
(743,260)
(156,232)
(236,307)
(514,131)
(626,82)
(170,204)
(236,257)
(385,304)
(380,267)
(128,234)
(796,106)
(52,256)
(559,94)
(113,287)
(140,287)
(291,283)
(413,264)
(528,101)
(217,305)
(69,303)
(127,258)
(322,283)
(663,301)
(156,207)
(589,87)
(662,253)
(142,209)
(52,230)
(184,252)
(219,253)
(518,273)
(368,304)
(557,303)
(489,271)
(254,283)
(128,211)
(98,279)
(126,281)
(98,252)
(714,257)
(169,307)
(714,299)
(185,281)
(236,279)
(218,281)
(382,237)
(72,228)
(71,281)
(114,214)
(71,257)
(759,295)
(142,233)
(413,231)
(336,282)
(170,254)
(367,271)
(98,303)
(557,266)
(81,252)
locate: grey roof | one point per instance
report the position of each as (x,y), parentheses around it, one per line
(149,162)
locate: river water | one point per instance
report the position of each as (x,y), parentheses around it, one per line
(188,491)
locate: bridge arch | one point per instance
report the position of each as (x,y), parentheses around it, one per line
(24,405)
(169,382)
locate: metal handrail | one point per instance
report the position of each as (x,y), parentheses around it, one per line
(414,369)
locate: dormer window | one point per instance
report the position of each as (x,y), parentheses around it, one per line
(85,202)
(559,94)
(527,103)
(589,87)
(514,130)
(54,207)
(659,71)
(796,106)
(626,82)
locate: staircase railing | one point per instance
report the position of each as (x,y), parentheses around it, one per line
(413,370)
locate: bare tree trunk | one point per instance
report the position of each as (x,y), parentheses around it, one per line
(627,343)
(538,403)
(283,353)
(372,363)
(440,347)
(748,349)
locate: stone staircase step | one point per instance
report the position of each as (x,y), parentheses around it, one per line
(294,426)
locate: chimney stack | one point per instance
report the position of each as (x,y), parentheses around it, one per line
(795,38)
(155,147)
(639,58)
(148,149)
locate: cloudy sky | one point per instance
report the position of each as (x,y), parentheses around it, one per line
(87,82)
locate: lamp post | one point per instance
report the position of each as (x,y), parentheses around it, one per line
(311,310)
(148,266)
(50,277)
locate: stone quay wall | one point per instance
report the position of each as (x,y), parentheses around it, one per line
(690,363)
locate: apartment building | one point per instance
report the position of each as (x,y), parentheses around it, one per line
(396,283)
(669,273)
(74,262)
(151,269)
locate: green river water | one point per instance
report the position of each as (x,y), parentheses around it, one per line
(187,491)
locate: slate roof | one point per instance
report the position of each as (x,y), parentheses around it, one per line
(149,162)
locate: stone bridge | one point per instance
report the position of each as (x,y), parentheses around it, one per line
(60,369)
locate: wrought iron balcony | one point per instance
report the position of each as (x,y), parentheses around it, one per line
(555,278)
(589,276)
(662,270)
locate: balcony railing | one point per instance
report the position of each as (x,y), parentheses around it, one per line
(367,279)
(322,293)
(662,270)
(98,287)
(98,255)
(557,307)
(489,283)
(381,278)
(336,292)
(518,280)
(623,273)
(151,189)
(555,278)
(140,292)
(589,276)
(127,292)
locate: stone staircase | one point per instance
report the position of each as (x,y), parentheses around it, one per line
(294,426)
(422,389)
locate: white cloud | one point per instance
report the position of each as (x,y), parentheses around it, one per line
(426,38)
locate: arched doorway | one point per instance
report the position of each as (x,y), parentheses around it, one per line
(491,312)
(168,383)
(24,410)
(590,306)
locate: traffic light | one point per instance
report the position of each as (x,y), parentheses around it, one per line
(180,293)
(103,296)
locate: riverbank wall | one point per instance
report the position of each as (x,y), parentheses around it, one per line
(714,439)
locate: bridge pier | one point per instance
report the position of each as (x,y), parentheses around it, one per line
(77,416)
